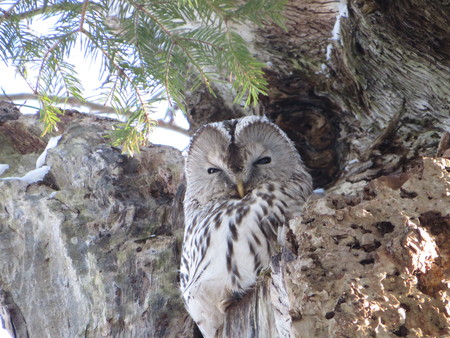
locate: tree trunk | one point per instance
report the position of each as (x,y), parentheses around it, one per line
(362,89)
(92,250)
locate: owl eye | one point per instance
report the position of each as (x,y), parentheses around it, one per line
(213,170)
(263,160)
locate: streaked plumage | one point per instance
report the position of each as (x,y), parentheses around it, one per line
(245,180)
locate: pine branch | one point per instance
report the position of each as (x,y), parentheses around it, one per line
(174,39)
(143,46)
(11,15)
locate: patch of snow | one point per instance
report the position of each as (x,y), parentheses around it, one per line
(328,54)
(3,168)
(41,170)
(319,191)
(343,13)
(52,143)
(336,32)
(3,332)
(350,163)
(32,176)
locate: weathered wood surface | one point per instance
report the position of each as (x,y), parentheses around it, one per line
(93,249)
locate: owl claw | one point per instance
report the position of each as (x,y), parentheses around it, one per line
(265,272)
(226,303)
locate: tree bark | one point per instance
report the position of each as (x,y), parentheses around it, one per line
(362,89)
(92,250)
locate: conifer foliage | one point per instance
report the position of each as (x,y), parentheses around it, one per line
(149,50)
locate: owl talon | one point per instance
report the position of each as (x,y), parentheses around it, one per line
(265,272)
(226,303)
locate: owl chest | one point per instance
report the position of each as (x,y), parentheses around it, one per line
(234,243)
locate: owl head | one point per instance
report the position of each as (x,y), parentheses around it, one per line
(229,159)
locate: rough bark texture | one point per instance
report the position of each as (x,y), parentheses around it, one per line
(376,263)
(93,249)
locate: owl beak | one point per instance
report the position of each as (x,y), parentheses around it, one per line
(240,188)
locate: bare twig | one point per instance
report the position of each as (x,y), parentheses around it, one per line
(83,14)
(97,107)
(69,100)
(172,126)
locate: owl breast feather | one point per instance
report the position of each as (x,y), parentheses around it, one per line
(228,243)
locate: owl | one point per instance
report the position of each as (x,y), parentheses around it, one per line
(245,180)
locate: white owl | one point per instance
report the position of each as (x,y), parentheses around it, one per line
(245,180)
